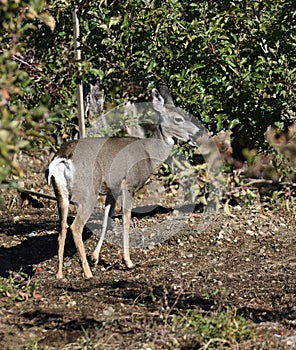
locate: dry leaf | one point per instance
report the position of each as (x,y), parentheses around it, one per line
(37,296)
(47,19)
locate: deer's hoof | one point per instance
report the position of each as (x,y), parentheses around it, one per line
(129,264)
(59,276)
(93,261)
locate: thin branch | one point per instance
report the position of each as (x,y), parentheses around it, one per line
(76,33)
(26,63)
(37,194)
(16,58)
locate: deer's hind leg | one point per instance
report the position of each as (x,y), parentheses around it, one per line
(127,202)
(62,196)
(84,210)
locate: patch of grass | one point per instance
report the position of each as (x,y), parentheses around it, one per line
(18,286)
(192,331)
(210,331)
(211,295)
(31,345)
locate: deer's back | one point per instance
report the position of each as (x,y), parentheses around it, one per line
(102,163)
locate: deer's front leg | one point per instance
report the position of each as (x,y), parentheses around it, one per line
(108,213)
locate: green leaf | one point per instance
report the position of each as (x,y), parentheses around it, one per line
(233,123)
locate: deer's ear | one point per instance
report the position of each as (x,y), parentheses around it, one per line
(157,100)
(165,93)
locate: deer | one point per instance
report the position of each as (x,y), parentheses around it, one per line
(84,169)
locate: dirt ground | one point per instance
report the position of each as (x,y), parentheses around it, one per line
(244,263)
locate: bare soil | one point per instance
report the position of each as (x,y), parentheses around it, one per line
(245,263)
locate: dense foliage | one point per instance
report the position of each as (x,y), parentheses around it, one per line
(22,108)
(230,63)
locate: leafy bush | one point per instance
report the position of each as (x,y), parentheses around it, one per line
(226,61)
(22,111)
(231,64)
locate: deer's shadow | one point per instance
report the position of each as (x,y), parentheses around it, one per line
(34,249)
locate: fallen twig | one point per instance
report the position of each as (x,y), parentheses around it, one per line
(37,194)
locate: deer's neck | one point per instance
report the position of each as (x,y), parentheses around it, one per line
(160,134)
(158,147)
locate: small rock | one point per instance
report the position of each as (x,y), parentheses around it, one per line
(109,311)
(71,303)
(250,233)
(221,234)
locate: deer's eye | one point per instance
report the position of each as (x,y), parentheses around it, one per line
(179,120)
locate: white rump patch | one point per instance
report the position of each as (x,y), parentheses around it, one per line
(62,171)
